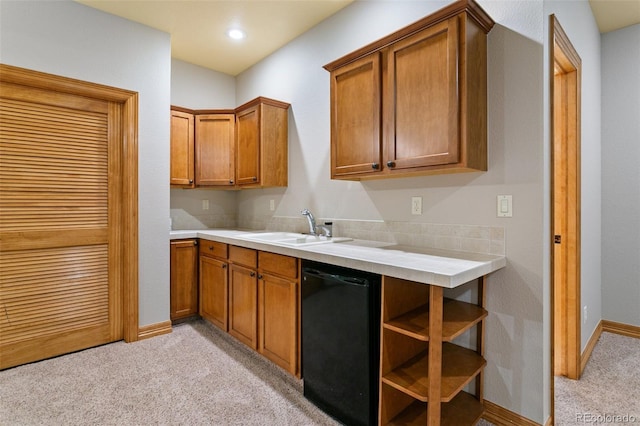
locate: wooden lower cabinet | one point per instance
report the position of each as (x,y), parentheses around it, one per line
(423,373)
(264,306)
(184,279)
(214,283)
(243,305)
(278,291)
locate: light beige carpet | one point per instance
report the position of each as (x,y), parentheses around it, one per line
(198,375)
(608,391)
(177,379)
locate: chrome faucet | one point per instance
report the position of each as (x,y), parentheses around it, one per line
(314,229)
(311,220)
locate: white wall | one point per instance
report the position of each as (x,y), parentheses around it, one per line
(621,175)
(196,87)
(72,40)
(515,376)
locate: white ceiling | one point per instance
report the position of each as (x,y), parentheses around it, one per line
(198,28)
(612,15)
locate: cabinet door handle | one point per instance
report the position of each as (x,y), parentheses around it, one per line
(259,276)
(252,274)
(190,180)
(391,163)
(224,266)
(231,181)
(255,179)
(195,242)
(375,166)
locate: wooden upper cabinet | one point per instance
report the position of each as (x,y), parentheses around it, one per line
(248,143)
(422,92)
(428,95)
(262,144)
(356,118)
(182,148)
(215,149)
(233,149)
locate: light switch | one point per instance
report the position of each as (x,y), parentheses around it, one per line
(505,206)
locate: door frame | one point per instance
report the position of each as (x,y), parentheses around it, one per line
(565,100)
(128,235)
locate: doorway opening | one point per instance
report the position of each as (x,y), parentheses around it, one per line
(565,204)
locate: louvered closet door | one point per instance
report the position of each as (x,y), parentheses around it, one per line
(60,283)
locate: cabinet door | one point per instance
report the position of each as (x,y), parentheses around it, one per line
(182,146)
(278,330)
(422,110)
(243,304)
(248,145)
(184,279)
(356,117)
(215,141)
(213,291)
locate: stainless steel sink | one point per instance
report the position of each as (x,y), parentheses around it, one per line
(293,238)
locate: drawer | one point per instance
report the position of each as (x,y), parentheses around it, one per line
(213,249)
(243,256)
(278,264)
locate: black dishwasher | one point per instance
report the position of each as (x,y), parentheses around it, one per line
(341,341)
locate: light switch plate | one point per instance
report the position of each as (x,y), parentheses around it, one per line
(504,206)
(205,204)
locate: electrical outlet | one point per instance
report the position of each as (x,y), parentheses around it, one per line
(205,204)
(584,317)
(416,205)
(272,205)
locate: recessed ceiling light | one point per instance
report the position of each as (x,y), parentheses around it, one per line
(236,34)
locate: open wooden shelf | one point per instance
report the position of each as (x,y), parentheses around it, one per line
(418,355)
(457,318)
(459,367)
(464,409)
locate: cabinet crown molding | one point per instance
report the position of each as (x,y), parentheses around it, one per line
(256,101)
(470,7)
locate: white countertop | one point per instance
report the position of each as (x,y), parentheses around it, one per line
(443,268)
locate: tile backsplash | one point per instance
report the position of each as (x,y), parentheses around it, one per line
(181,219)
(468,238)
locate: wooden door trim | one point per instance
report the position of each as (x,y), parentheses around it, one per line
(565,65)
(128,236)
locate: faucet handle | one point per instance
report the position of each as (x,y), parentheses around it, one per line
(327,229)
